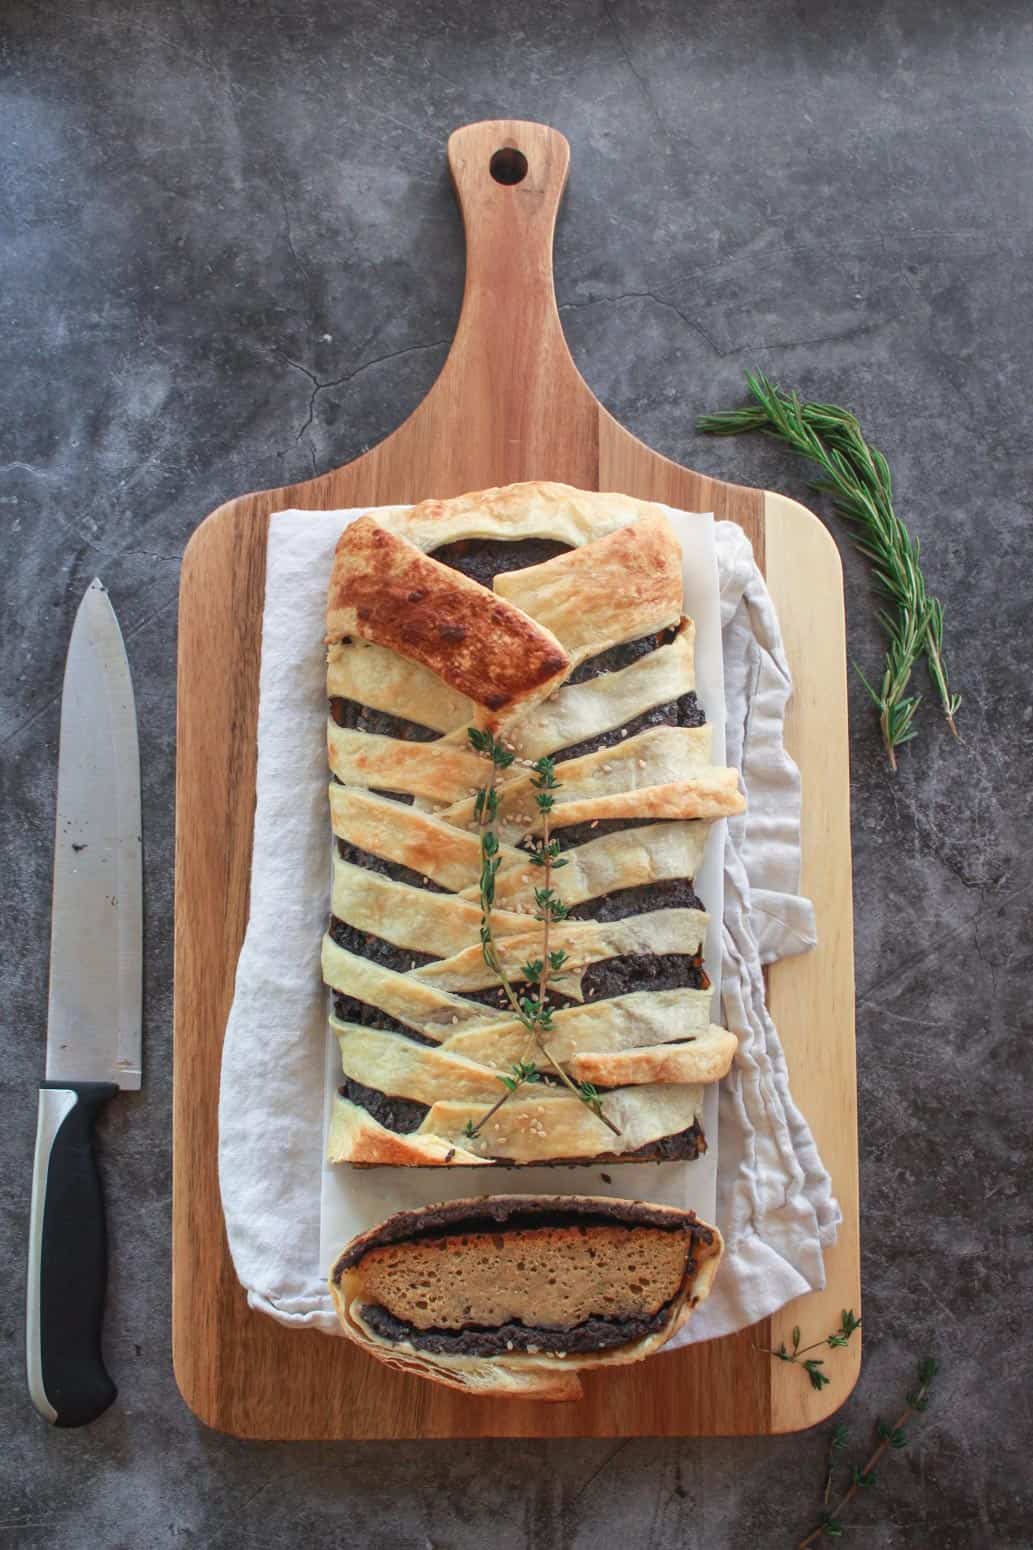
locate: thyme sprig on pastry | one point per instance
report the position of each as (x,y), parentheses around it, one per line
(532,1008)
(857,477)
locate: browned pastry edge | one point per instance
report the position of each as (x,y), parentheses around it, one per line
(384,589)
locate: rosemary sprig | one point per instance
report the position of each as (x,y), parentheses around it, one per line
(813,1365)
(857,477)
(891,1437)
(531,1008)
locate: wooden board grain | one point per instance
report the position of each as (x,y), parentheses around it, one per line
(509,404)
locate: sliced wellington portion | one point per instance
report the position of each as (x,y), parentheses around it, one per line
(515,1294)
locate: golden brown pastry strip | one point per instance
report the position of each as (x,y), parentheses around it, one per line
(585,942)
(410,917)
(625,858)
(617,588)
(577,712)
(636,1019)
(420,841)
(378,677)
(532,509)
(384,589)
(436,771)
(406,1000)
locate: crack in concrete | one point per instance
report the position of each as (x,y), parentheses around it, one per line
(25,468)
(109,554)
(835,338)
(289,235)
(593,1477)
(736,349)
(600,301)
(319,386)
(642,82)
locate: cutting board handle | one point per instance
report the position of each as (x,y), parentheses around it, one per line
(509,392)
(509,178)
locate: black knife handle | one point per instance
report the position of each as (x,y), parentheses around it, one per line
(68,1381)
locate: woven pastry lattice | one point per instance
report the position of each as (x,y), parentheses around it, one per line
(554,617)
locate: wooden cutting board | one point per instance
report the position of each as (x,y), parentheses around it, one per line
(509,404)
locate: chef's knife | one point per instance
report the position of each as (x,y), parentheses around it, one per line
(93,1026)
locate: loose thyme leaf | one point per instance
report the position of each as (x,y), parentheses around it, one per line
(813,1367)
(857,477)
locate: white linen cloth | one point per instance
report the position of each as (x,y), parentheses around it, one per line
(774,1200)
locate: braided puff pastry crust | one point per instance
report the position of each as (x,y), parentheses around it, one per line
(554,617)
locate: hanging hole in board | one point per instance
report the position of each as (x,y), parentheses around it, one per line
(508,165)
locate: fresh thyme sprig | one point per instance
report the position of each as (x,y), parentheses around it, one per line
(891,1437)
(532,1008)
(837,1442)
(857,477)
(523,1071)
(813,1365)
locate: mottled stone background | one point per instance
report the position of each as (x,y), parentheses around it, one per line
(230,258)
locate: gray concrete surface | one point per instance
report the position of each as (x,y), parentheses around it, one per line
(231,257)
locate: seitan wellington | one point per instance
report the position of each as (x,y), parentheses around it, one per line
(522,790)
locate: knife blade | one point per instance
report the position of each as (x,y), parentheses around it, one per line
(94,1014)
